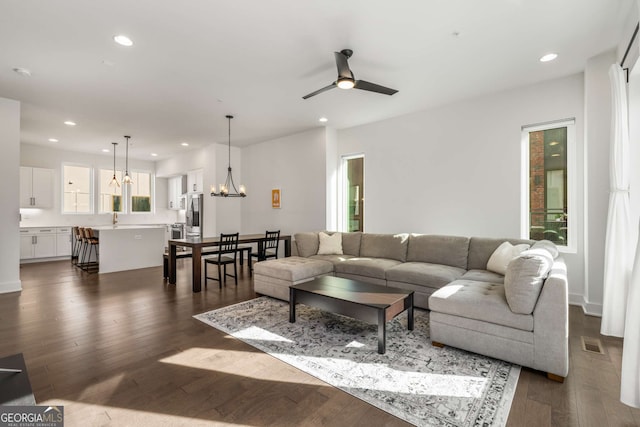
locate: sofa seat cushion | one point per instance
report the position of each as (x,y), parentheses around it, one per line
(478,300)
(367,267)
(293,268)
(425,274)
(334,259)
(483,276)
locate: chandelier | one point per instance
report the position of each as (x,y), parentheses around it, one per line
(224,189)
(127,178)
(114,181)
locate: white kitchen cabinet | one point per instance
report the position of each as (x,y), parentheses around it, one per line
(194,181)
(177,188)
(36,187)
(63,241)
(37,243)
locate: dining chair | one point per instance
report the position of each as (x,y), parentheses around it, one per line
(228,254)
(270,247)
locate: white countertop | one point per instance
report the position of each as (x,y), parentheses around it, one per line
(126,227)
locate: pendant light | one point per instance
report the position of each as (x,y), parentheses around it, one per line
(114,181)
(228,183)
(127,178)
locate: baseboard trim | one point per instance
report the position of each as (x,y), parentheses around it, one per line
(590,309)
(8,287)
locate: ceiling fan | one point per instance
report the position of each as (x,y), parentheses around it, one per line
(347,81)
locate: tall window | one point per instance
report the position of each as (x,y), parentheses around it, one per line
(548,159)
(353,193)
(110,195)
(76,184)
(140,192)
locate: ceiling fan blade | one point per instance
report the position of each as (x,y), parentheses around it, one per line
(372,87)
(324,89)
(343,65)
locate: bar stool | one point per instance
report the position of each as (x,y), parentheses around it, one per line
(76,245)
(90,241)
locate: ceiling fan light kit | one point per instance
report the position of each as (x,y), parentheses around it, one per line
(346,80)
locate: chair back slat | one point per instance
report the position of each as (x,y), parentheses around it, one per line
(228,244)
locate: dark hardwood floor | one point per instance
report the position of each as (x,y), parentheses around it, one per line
(122,349)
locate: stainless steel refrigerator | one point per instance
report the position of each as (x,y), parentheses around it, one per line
(194,215)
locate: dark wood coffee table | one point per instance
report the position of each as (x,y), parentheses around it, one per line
(364,301)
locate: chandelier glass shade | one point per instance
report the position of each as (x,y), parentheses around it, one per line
(114,181)
(224,190)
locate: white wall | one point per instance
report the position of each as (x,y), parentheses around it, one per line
(456,169)
(597,93)
(52,158)
(297,165)
(10,195)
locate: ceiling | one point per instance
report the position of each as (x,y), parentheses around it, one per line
(195,61)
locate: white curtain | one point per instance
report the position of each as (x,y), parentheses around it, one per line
(630,387)
(617,263)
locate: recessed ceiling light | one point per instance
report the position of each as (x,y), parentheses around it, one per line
(154,154)
(323,120)
(548,57)
(70,123)
(105,150)
(123,40)
(184,144)
(53,140)
(22,72)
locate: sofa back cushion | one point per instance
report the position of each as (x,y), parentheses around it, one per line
(481,249)
(524,278)
(390,246)
(445,250)
(351,243)
(307,243)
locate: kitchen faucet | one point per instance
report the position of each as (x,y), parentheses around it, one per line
(115,218)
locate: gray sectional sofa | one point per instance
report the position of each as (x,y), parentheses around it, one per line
(523,320)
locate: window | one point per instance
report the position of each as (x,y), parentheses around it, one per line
(110,195)
(353,193)
(76,184)
(549,165)
(140,191)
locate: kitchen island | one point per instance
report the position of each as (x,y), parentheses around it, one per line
(129,247)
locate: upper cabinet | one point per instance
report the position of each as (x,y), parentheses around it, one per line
(194,181)
(177,188)
(36,187)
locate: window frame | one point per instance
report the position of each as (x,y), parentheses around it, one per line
(92,209)
(572,211)
(343,193)
(119,175)
(128,193)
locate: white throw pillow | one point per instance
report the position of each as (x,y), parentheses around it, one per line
(502,256)
(330,244)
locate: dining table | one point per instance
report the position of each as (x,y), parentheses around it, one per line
(196,244)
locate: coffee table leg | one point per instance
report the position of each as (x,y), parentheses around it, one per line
(410,313)
(292,305)
(382,332)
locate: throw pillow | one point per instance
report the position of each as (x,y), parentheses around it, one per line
(524,278)
(503,254)
(330,244)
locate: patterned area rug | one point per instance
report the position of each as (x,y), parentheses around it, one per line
(419,383)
